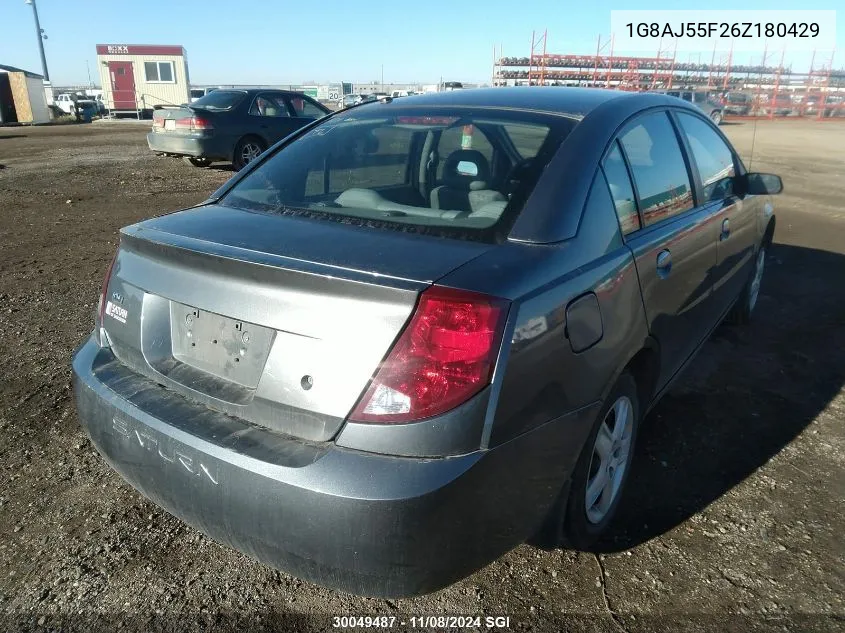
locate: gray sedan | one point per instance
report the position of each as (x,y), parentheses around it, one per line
(420,332)
(231,125)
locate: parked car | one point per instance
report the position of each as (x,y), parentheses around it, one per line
(66,103)
(419,332)
(834,106)
(738,103)
(708,102)
(70,103)
(351,100)
(199,93)
(74,105)
(231,125)
(781,104)
(101,105)
(86,109)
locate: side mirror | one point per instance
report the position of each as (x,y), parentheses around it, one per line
(762,184)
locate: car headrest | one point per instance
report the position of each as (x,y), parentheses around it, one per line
(459,167)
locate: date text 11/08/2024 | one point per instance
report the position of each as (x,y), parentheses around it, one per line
(422,622)
(724,29)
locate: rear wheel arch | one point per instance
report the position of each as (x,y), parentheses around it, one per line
(237,159)
(644,367)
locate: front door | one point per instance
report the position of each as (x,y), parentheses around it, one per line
(122,86)
(715,164)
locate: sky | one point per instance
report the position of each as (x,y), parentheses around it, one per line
(281,42)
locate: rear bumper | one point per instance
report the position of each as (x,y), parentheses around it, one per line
(211,147)
(360,522)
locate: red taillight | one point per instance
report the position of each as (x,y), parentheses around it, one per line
(445,355)
(193,123)
(158,121)
(199,123)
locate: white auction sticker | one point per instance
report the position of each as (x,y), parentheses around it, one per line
(739,30)
(116,312)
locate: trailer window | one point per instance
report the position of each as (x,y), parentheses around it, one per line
(161,72)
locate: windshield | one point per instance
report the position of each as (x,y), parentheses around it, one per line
(443,170)
(220,100)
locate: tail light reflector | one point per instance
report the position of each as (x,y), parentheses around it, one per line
(101,305)
(193,123)
(444,356)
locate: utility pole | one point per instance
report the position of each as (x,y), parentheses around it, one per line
(40,33)
(382,76)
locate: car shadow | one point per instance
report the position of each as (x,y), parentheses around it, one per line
(5,136)
(749,393)
(222,167)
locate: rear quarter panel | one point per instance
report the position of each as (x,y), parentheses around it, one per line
(543,379)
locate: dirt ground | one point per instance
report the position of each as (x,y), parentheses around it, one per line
(734,515)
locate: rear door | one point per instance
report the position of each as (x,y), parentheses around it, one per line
(672,240)
(122,86)
(270,115)
(716,168)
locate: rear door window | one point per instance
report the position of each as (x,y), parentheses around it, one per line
(621,191)
(269,105)
(658,168)
(713,158)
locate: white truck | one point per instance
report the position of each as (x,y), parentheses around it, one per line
(66,102)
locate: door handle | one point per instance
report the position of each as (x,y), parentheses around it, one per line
(726,230)
(664,264)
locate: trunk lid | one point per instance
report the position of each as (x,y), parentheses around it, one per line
(276,320)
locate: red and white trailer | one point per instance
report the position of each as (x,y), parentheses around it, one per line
(137,78)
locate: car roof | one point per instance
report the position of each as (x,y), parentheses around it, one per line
(574,102)
(254,91)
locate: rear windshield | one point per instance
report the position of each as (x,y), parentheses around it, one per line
(464,172)
(220,100)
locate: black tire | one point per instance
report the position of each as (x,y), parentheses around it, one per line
(244,151)
(197,161)
(743,309)
(716,117)
(579,530)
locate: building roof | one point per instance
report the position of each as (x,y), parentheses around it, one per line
(12,69)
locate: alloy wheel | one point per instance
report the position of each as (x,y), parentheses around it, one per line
(250,152)
(609,460)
